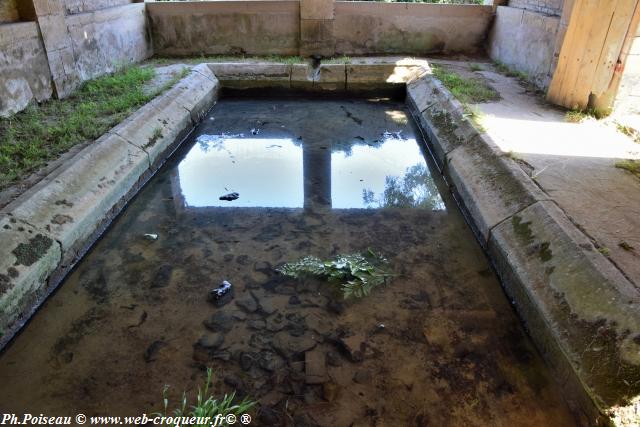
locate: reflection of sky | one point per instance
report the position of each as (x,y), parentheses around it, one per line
(367,167)
(266,172)
(269,172)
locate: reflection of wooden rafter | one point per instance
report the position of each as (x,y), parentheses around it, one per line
(593,52)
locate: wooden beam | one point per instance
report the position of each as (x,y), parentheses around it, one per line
(590,51)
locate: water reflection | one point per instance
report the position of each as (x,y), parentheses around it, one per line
(416,188)
(376,164)
(265,172)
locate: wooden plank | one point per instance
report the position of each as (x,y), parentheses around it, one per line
(620,27)
(554,93)
(585,20)
(591,48)
(598,28)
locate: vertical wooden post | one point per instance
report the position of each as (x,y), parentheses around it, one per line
(591,51)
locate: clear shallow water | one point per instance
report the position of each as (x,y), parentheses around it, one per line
(314,177)
(269,163)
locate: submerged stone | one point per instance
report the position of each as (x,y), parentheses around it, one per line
(219,322)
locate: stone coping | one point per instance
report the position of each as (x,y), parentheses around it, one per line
(47,230)
(580,310)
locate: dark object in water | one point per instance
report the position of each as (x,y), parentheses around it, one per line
(229,197)
(153,349)
(221,295)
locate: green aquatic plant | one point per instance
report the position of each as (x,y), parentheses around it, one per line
(207,407)
(356,274)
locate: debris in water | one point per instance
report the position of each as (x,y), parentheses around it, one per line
(393,135)
(356,274)
(230,197)
(151,236)
(153,349)
(255,131)
(221,291)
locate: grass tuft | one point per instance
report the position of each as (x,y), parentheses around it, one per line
(475,116)
(472,91)
(510,72)
(628,131)
(632,166)
(41,133)
(577,115)
(207,407)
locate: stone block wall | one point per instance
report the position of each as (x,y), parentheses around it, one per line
(316,27)
(527,35)
(548,7)
(525,41)
(24,69)
(82,6)
(374,28)
(66,42)
(105,39)
(225,27)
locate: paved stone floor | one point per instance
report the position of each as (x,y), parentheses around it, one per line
(572,162)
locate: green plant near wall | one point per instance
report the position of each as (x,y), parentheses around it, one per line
(206,406)
(466,90)
(43,132)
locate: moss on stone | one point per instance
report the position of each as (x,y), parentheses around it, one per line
(522,229)
(445,125)
(28,253)
(545,252)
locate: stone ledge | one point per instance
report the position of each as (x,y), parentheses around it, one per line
(359,77)
(252,75)
(490,186)
(27,258)
(73,205)
(581,312)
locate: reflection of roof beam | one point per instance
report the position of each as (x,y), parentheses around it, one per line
(316,166)
(179,202)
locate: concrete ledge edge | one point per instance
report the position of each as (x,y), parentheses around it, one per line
(70,225)
(472,164)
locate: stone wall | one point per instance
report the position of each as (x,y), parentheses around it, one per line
(81,6)
(8,11)
(351,28)
(373,28)
(225,27)
(58,51)
(525,41)
(24,70)
(106,38)
(548,7)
